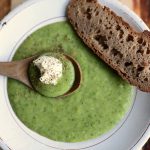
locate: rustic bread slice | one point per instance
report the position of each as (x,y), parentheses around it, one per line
(113,40)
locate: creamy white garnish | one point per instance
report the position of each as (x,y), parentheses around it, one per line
(51,69)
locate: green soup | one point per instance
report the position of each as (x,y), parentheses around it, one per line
(95,108)
(64,84)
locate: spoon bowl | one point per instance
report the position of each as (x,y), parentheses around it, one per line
(18,70)
(78,75)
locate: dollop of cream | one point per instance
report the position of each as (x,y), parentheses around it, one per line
(51,69)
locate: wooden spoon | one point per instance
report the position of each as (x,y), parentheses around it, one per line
(78,75)
(19,70)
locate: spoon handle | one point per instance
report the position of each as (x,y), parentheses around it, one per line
(10,69)
(17,70)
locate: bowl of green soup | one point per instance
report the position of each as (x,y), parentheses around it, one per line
(104,113)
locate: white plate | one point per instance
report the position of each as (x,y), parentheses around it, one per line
(133,130)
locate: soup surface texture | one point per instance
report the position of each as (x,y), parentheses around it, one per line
(96,107)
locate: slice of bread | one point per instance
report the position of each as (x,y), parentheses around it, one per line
(113,40)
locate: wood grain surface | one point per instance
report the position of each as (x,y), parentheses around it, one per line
(14,3)
(4,7)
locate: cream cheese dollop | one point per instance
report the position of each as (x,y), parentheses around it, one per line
(50,68)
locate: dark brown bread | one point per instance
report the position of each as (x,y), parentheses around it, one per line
(113,40)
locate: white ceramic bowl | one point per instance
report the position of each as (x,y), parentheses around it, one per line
(131,133)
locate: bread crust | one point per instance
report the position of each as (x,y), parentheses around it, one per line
(72,8)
